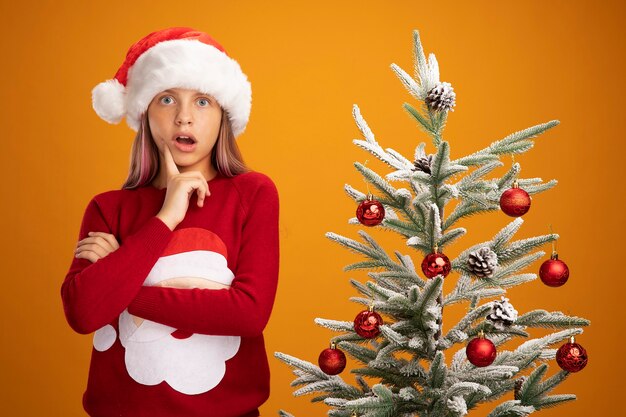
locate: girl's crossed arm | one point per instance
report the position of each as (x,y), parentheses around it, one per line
(242,310)
(94,294)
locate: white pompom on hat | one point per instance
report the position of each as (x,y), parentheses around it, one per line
(178,57)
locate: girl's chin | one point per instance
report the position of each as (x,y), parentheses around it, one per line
(186,161)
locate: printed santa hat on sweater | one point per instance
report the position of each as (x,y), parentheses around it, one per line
(190,363)
(178,57)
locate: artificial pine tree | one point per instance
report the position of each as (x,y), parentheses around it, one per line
(405,351)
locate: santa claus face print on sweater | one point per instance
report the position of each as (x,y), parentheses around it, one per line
(189,363)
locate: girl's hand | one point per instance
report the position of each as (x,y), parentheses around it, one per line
(96,246)
(180,187)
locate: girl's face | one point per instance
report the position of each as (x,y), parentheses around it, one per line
(182,112)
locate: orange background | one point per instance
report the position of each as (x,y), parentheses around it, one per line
(512,66)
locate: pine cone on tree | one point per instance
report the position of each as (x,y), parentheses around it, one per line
(503,314)
(518,386)
(441,97)
(483,262)
(423,163)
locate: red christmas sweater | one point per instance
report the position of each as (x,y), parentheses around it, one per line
(190,352)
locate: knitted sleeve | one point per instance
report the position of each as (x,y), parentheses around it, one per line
(94,294)
(244,308)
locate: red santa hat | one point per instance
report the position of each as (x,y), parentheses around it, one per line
(178,57)
(193,252)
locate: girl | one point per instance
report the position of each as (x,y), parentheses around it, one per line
(177,289)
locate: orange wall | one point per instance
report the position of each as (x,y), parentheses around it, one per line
(512,65)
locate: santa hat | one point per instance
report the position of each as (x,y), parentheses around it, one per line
(178,57)
(192,252)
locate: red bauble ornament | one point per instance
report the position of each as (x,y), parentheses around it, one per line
(367,324)
(571,357)
(480,351)
(370,212)
(554,272)
(332,360)
(515,202)
(436,264)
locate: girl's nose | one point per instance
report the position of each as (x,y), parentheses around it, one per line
(183,116)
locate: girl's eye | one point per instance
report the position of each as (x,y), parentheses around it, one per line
(166,98)
(203,102)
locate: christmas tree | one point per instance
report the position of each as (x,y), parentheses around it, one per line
(404,353)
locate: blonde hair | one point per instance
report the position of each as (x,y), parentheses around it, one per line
(144,156)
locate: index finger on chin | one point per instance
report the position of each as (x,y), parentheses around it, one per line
(168,161)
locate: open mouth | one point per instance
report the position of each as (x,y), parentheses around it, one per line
(187,140)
